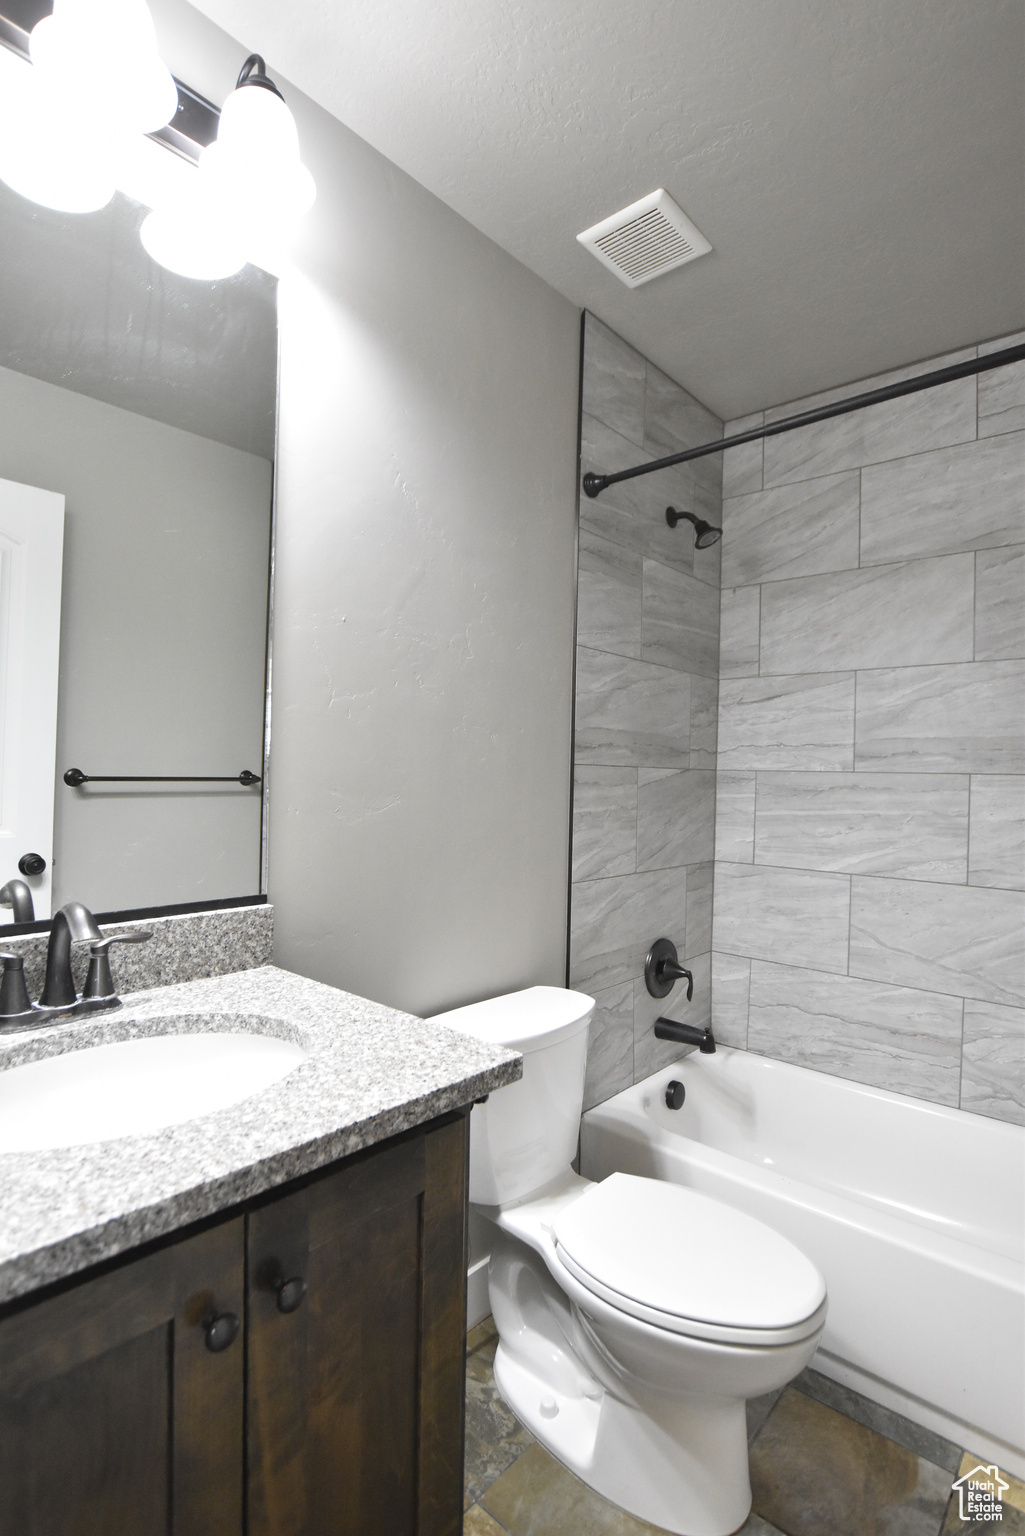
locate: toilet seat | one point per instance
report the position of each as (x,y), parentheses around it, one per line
(688,1264)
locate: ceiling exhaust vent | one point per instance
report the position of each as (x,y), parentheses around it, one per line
(650,237)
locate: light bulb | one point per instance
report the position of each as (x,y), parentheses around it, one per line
(96,84)
(189,235)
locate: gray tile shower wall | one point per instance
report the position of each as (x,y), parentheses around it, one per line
(870,836)
(645,739)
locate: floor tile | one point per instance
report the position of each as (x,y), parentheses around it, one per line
(477,1522)
(494,1436)
(815,1472)
(1012,1513)
(913,1437)
(539,1497)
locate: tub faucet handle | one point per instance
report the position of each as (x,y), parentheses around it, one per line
(662,970)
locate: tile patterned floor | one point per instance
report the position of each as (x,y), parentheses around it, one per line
(825,1461)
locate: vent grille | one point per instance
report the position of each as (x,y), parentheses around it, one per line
(650,237)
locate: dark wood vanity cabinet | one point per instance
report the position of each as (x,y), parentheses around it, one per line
(335,1409)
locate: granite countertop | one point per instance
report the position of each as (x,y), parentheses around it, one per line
(370,1073)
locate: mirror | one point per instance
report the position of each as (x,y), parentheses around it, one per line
(137,414)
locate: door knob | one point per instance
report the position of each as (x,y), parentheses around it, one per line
(221,1330)
(32,864)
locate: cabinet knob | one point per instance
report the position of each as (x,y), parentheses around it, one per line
(221,1329)
(290,1293)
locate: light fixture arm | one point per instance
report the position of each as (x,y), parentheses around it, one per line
(254,72)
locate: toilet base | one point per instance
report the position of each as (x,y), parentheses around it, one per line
(685,1471)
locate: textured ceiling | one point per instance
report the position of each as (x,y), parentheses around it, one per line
(856,164)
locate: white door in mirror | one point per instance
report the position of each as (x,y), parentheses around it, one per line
(31,556)
(135,1087)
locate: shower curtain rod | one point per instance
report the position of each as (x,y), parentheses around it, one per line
(595,484)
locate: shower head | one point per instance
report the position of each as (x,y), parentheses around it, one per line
(704,534)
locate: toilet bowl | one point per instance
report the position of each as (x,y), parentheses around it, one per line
(635,1318)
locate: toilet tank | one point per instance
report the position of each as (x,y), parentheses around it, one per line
(526,1133)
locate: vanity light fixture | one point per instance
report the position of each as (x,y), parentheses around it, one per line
(70,122)
(248,195)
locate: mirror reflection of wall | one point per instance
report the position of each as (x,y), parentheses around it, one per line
(147,401)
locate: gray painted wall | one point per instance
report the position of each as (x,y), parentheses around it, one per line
(425,544)
(647,668)
(163,633)
(870,836)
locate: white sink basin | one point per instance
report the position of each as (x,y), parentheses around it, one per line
(135,1087)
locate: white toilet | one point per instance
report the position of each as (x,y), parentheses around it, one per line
(635,1317)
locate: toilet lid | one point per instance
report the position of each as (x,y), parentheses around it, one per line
(644,1243)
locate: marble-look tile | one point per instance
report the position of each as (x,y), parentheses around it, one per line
(699,887)
(604,821)
(993,1073)
(739,614)
(996,847)
(630,712)
(680,621)
(735,817)
(1000,603)
(699,907)
(815,1472)
(801,530)
(935,418)
(887,616)
(731,987)
(538,1496)
(632,513)
(890,1037)
(913,825)
(1002,392)
(787,722)
(673,419)
(942,503)
(742,467)
(613,923)
(495,1438)
(650,1053)
(964,940)
(609,596)
(610,1045)
(943,719)
(613,380)
(885,1421)
(788,915)
(675,817)
(704,721)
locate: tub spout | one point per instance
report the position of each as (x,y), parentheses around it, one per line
(686,1034)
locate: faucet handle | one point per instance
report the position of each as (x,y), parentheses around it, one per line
(14,999)
(99,983)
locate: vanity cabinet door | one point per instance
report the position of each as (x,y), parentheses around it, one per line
(355,1391)
(116,1417)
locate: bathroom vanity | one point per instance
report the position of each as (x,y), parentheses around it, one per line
(251,1321)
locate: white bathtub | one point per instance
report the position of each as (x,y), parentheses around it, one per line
(913,1212)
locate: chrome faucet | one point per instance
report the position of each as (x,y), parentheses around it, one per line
(72,922)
